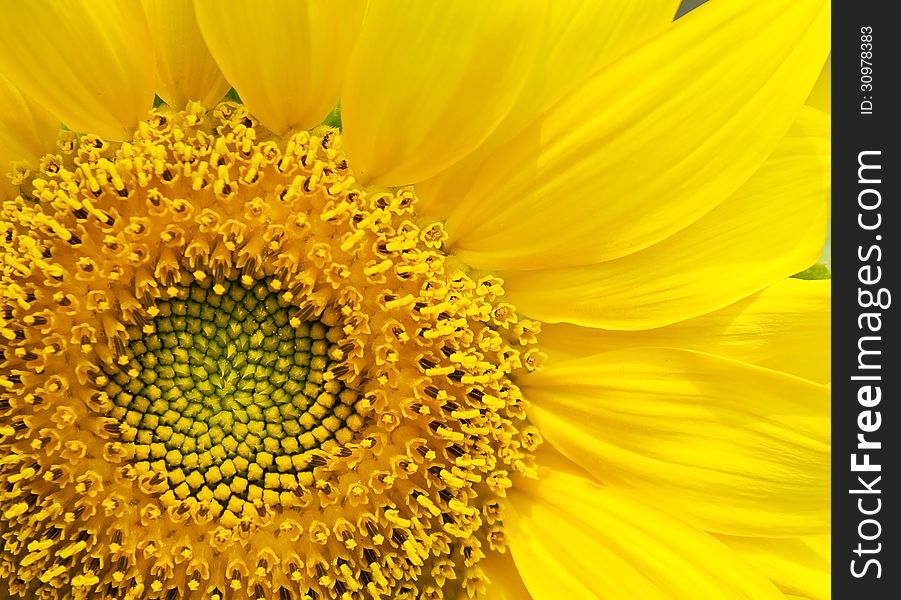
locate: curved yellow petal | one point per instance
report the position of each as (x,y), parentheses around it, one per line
(185,68)
(727,446)
(285,58)
(769,229)
(86,61)
(428,81)
(27,132)
(798,566)
(504,581)
(582,36)
(647,145)
(573,539)
(783,327)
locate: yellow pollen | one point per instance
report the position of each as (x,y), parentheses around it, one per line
(226,369)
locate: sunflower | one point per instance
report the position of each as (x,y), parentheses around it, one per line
(442,300)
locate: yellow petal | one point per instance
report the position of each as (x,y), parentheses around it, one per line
(428,81)
(783,327)
(647,145)
(86,61)
(573,539)
(504,581)
(771,228)
(799,566)
(27,132)
(285,58)
(727,446)
(582,37)
(821,95)
(185,68)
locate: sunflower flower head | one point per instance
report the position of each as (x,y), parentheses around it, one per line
(456,300)
(273,362)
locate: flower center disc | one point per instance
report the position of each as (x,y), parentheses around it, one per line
(230,370)
(232,395)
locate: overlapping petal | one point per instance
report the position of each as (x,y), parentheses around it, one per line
(581,37)
(730,447)
(573,539)
(784,327)
(185,68)
(285,58)
(799,566)
(95,71)
(821,95)
(428,82)
(647,145)
(504,580)
(770,228)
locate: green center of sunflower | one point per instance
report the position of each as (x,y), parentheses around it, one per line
(227,393)
(230,370)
